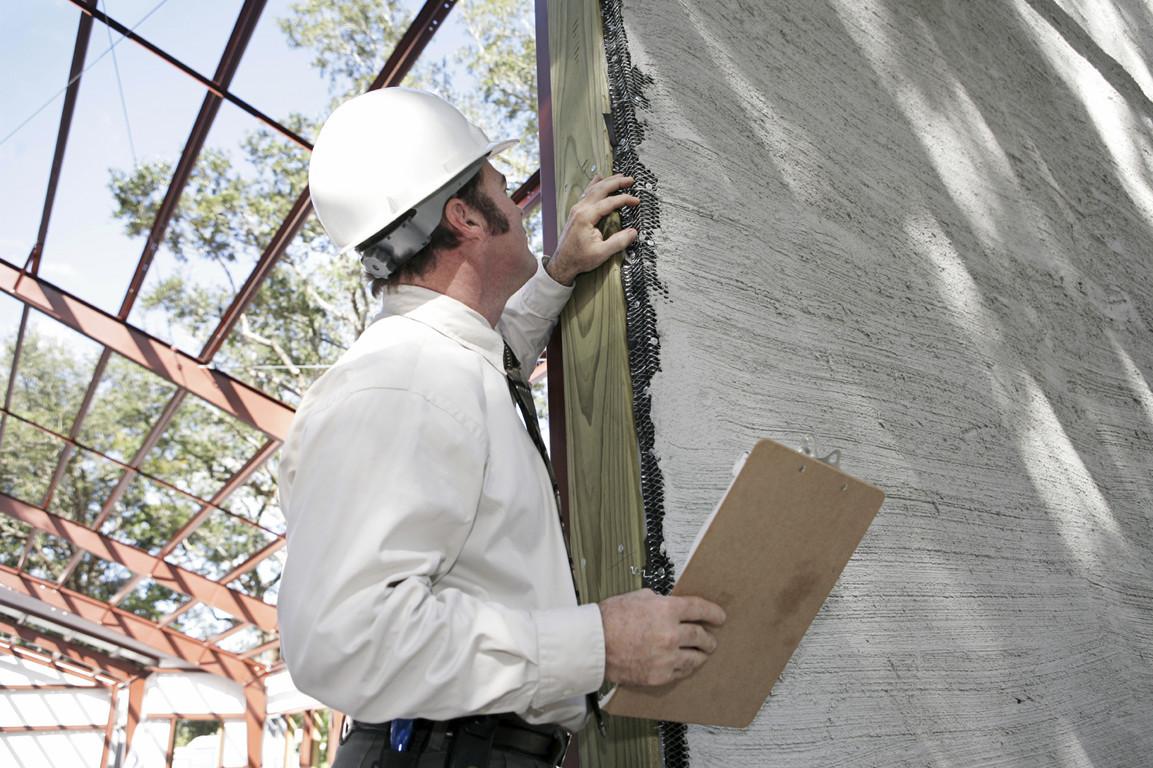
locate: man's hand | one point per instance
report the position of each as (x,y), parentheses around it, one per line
(581,247)
(653,640)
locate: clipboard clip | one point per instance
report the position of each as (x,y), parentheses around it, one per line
(809,448)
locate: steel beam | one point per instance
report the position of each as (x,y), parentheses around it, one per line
(63,664)
(75,71)
(276,247)
(207,505)
(207,83)
(240,478)
(254,652)
(528,194)
(229,61)
(50,728)
(428,20)
(118,669)
(234,397)
(412,43)
(257,557)
(244,607)
(162,640)
(129,475)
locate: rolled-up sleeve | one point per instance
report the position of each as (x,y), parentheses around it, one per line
(383,491)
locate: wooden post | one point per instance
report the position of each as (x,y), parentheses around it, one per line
(255,710)
(604,502)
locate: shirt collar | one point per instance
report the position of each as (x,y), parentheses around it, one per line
(446,316)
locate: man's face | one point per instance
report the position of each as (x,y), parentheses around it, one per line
(510,247)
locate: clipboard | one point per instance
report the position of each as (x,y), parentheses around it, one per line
(771,553)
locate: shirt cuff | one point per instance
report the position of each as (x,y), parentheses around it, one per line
(546,297)
(571,648)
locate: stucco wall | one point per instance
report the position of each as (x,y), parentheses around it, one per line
(922,231)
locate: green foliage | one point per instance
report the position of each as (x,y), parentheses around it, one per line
(309,309)
(348,40)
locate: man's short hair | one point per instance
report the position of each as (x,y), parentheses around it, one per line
(443,238)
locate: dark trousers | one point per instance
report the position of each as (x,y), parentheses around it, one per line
(370,749)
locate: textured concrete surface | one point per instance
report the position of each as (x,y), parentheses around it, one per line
(922,231)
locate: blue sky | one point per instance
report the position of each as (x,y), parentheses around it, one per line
(86,251)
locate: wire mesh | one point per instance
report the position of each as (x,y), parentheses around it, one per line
(627,87)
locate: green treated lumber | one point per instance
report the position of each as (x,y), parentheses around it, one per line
(605,508)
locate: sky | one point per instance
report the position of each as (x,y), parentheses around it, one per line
(86,251)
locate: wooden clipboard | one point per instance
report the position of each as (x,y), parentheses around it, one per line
(770,555)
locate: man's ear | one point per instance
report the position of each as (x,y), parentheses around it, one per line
(463,220)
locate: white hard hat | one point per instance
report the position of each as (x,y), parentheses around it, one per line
(384,165)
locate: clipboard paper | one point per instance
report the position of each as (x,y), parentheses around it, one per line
(770,556)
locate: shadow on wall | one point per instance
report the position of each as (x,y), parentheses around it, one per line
(923,229)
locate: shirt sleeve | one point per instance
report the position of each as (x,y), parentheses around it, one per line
(530,315)
(381,493)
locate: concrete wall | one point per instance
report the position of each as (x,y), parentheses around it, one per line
(922,231)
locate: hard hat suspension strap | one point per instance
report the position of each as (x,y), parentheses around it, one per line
(387,250)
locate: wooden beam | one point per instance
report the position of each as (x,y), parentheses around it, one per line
(244,607)
(162,640)
(605,510)
(230,395)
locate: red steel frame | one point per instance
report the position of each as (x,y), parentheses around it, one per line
(202,588)
(117,670)
(191,374)
(162,640)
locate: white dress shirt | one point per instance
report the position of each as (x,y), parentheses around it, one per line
(426,573)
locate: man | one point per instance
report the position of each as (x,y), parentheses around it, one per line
(427,576)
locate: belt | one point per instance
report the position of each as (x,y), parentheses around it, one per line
(547,743)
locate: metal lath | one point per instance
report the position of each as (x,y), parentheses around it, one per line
(639,278)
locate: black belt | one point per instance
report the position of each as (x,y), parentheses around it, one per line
(547,743)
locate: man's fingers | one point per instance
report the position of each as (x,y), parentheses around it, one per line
(688,661)
(618,242)
(604,207)
(699,609)
(599,188)
(696,636)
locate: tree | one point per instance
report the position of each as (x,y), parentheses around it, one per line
(310,308)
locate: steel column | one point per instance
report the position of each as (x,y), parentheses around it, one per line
(255,712)
(110,727)
(135,710)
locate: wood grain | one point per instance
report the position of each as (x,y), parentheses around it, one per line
(605,509)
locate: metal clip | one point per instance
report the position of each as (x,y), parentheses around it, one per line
(809,448)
